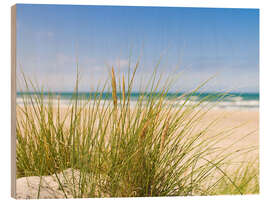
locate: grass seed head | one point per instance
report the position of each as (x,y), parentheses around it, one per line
(114,95)
(165,132)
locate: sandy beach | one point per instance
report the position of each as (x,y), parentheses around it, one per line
(244,122)
(244,133)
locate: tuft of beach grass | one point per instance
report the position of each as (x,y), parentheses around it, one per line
(149,149)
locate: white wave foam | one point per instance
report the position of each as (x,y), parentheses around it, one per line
(237,104)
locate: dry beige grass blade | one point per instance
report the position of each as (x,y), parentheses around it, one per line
(114,95)
(123,89)
(165,133)
(145,129)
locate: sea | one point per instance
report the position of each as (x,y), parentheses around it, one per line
(237,101)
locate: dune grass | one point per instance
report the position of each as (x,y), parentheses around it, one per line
(151,148)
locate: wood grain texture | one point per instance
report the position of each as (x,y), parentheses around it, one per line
(13,101)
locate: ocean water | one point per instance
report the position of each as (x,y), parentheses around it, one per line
(220,100)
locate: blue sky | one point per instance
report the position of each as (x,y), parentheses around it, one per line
(197,42)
